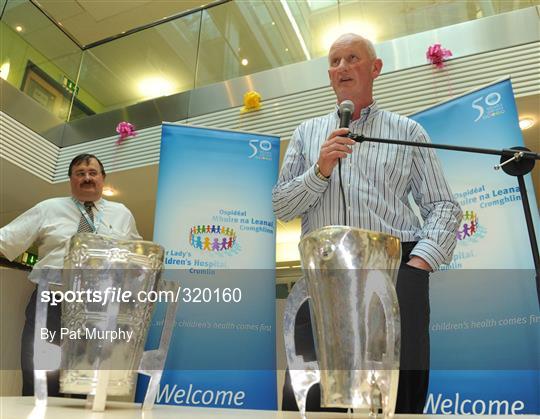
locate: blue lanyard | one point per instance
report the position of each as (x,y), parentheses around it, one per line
(97,219)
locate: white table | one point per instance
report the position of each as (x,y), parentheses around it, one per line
(60,408)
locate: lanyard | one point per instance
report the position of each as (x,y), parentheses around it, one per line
(97,219)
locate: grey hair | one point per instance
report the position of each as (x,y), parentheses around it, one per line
(367,43)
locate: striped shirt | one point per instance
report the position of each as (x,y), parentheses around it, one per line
(377,181)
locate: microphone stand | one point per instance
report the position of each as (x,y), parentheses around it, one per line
(515,161)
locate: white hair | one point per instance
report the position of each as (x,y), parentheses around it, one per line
(355,37)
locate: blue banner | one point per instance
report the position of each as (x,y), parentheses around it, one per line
(214,217)
(485,321)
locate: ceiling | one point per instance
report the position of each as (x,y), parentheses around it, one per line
(89,21)
(208,46)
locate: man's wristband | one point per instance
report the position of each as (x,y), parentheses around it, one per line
(319,174)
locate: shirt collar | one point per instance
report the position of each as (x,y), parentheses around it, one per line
(365,114)
(99,204)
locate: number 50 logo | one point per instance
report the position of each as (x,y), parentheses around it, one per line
(490,100)
(256,146)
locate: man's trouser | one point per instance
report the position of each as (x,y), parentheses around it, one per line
(27,347)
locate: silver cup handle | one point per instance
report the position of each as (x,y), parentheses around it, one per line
(393,326)
(153,361)
(379,284)
(303,374)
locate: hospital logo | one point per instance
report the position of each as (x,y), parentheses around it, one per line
(260,150)
(212,238)
(471,229)
(488,106)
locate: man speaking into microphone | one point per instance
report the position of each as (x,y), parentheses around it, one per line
(328,179)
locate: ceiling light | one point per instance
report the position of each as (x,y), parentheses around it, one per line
(525,123)
(287,49)
(244,61)
(273,23)
(4,70)
(19,28)
(108,191)
(358,27)
(151,87)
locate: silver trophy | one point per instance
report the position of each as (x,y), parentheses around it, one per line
(106,323)
(349,278)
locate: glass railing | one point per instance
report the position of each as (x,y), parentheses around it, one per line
(45,71)
(210,45)
(158,61)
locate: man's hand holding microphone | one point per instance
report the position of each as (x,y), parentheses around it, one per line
(338,145)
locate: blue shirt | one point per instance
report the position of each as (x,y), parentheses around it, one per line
(377,181)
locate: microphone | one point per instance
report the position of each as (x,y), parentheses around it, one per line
(346,110)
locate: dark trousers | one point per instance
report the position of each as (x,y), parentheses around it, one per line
(27,347)
(412,289)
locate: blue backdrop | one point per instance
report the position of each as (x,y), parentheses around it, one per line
(485,322)
(214,217)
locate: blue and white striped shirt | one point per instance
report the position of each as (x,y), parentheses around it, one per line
(377,180)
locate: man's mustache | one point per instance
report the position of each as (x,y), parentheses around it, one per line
(89,182)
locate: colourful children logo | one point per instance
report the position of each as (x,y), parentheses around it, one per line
(212,238)
(470,226)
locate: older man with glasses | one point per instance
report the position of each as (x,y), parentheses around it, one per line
(50,224)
